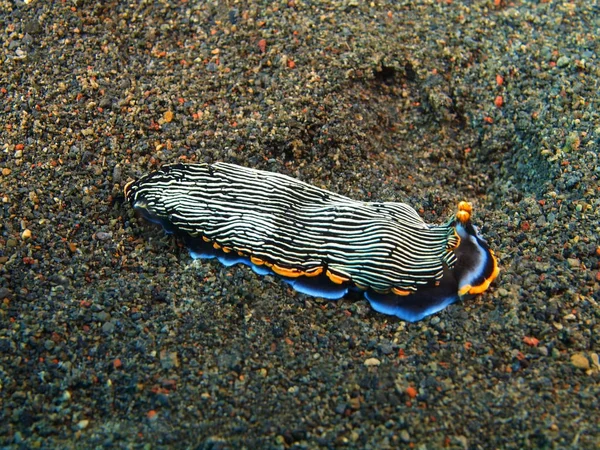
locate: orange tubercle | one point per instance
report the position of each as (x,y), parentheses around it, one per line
(337,279)
(314,272)
(285,272)
(465,290)
(257,261)
(402,292)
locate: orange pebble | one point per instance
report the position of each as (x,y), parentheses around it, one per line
(262,45)
(531,341)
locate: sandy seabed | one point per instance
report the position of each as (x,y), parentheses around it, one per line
(112,336)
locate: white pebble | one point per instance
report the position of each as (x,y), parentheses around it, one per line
(372,362)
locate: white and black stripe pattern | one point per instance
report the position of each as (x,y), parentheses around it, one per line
(292,224)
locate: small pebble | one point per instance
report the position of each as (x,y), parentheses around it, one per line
(340,408)
(117,174)
(355,403)
(26,234)
(580,361)
(502,292)
(563,61)
(386,348)
(372,362)
(169,360)
(108,327)
(18,437)
(404,436)
(103,236)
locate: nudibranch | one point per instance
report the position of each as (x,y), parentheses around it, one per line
(321,243)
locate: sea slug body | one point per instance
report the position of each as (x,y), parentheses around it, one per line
(321,243)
